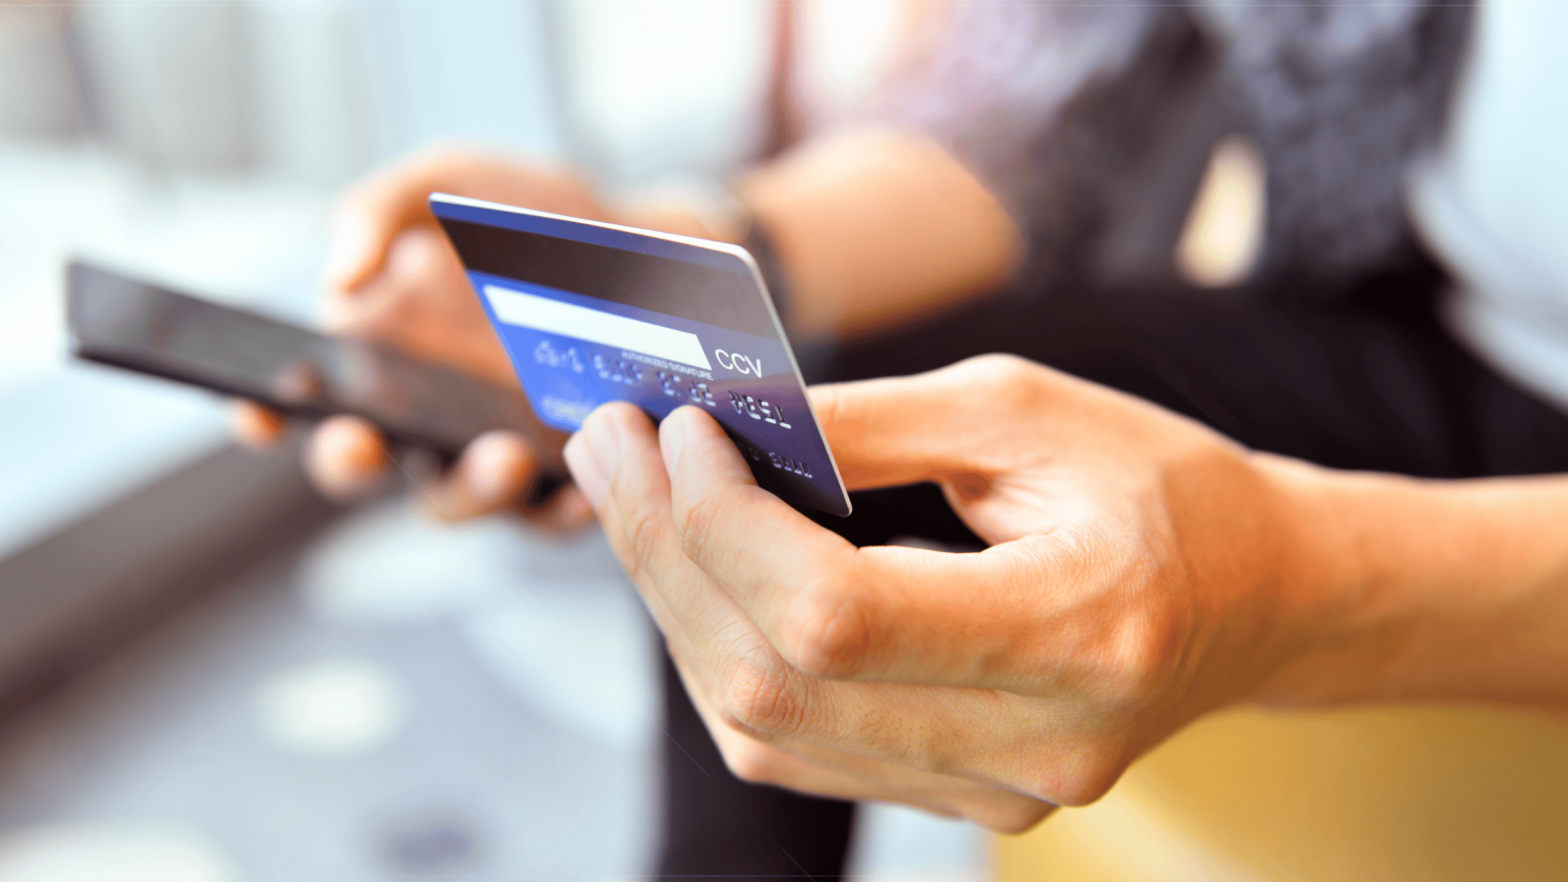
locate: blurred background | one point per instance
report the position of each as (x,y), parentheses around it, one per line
(207,672)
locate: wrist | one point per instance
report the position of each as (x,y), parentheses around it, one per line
(1334,606)
(1409,590)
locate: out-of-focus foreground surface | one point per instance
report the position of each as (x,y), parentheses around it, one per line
(206,672)
(1380,793)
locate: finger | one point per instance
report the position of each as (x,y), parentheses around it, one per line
(346,457)
(902,430)
(256,426)
(376,211)
(373,212)
(847,776)
(616,462)
(410,262)
(490,475)
(890,613)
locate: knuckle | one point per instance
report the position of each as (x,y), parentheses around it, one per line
(1127,639)
(645,533)
(643,530)
(1013,815)
(1143,651)
(750,761)
(1087,787)
(759,700)
(1003,367)
(1141,660)
(1014,381)
(1082,777)
(696,517)
(826,631)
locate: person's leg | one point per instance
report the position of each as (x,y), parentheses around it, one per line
(1371,381)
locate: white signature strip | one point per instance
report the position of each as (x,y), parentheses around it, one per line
(569,320)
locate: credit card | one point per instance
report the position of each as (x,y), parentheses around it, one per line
(591,313)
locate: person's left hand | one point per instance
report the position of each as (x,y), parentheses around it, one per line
(1136,580)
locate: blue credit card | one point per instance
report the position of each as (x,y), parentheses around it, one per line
(591,313)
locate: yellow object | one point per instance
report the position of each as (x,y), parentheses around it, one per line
(1385,794)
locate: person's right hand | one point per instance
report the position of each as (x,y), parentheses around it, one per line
(393,276)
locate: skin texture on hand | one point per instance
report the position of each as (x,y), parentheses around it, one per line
(1143,571)
(994,684)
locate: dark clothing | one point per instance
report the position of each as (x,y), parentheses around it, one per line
(1371,381)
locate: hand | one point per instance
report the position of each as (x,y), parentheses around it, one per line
(393,276)
(1139,576)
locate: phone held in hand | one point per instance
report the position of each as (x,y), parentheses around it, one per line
(591,313)
(140,326)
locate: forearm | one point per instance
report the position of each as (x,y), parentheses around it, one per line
(876,227)
(1426,590)
(873,227)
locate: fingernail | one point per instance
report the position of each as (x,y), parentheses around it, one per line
(492,469)
(591,455)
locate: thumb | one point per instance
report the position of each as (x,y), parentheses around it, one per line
(372,214)
(903,430)
(359,246)
(363,230)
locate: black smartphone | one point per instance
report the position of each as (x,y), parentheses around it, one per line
(144,327)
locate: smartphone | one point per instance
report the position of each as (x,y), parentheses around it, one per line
(591,312)
(144,327)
